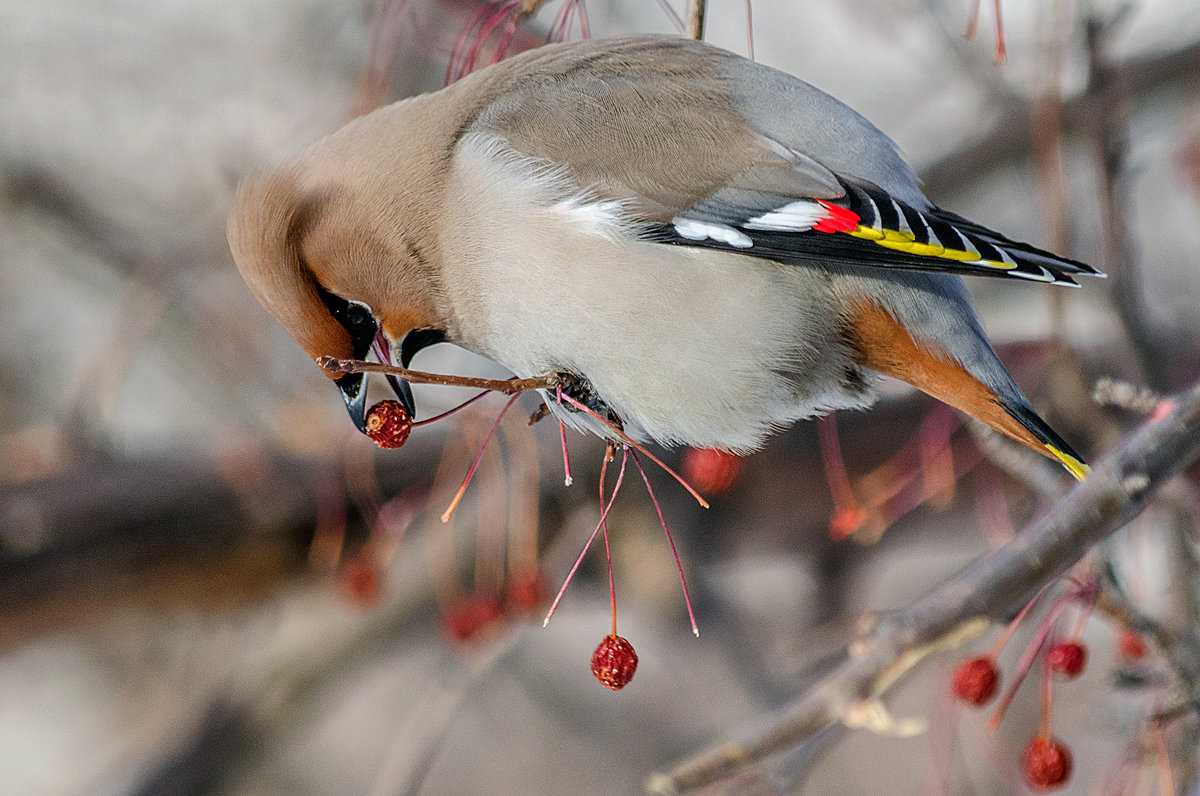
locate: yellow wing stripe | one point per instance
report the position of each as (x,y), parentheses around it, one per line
(869,233)
(904,242)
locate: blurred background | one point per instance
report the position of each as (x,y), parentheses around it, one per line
(209,583)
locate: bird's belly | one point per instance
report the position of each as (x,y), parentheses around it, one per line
(686,345)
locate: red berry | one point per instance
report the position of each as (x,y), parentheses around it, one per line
(1067,658)
(1047,763)
(975,680)
(471,618)
(712,471)
(523,595)
(1131,646)
(360,580)
(388,424)
(614,662)
(846,521)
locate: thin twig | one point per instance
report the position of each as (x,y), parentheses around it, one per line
(506,386)
(693,19)
(1118,489)
(672,15)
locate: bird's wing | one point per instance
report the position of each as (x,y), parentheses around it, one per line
(708,149)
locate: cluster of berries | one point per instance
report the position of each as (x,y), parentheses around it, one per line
(1046,761)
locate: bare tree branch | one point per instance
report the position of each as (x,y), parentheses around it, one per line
(1118,490)
(693,19)
(1109,133)
(1008,136)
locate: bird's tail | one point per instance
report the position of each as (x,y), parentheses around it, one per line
(1051,443)
(884,345)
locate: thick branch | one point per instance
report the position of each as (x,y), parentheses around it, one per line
(991,588)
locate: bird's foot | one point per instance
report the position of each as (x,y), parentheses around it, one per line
(579,388)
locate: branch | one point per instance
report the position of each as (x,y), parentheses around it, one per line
(693,19)
(1008,136)
(991,588)
(506,386)
(1109,133)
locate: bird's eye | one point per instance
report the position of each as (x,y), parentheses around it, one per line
(355,317)
(358,317)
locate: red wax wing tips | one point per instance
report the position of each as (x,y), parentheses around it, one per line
(839,219)
(388,424)
(614,662)
(1067,658)
(975,680)
(711,471)
(1047,763)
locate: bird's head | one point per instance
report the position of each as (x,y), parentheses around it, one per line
(336,271)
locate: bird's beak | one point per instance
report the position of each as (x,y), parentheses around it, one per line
(354,393)
(410,344)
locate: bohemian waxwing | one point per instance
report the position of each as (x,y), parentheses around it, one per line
(708,249)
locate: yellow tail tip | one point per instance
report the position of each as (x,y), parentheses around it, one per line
(1074,466)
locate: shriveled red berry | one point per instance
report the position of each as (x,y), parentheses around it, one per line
(472,618)
(388,424)
(711,471)
(523,594)
(1047,763)
(1131,646)
(614,662)
(1067,658)
(975,680)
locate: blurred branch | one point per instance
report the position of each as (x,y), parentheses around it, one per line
(1118,490)
(693,19)
(1109,133)
(157,532)
(1008,136)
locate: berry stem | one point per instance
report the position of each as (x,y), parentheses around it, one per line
(1085,613)
(1002,639)
(448,412)
(585,27)
(639,448)
(1163,759)
(612,587)
(454,68)
(510,30)
(972,21)
(485,32)
(586,547)
(1044,704)
(1031,651)
(562,435)
(835,467)
(1001,50)
(687,599)
(475,462)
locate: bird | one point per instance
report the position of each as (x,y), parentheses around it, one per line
(705,249)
